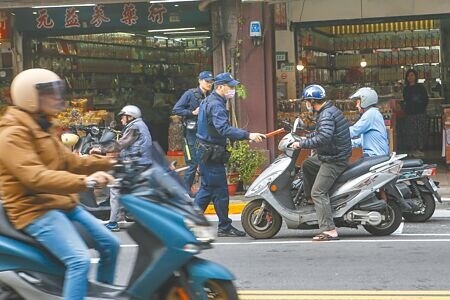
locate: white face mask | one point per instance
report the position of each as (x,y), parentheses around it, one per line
(230,94)
(309,107)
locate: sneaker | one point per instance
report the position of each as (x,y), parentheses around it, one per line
(230,232)
(113,226)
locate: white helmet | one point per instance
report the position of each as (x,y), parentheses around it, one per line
(29,84)
(367,95)
(131,110)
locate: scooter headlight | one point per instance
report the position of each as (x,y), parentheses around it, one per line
(203,234)
(257,186)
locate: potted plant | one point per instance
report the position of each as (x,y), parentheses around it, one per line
(244,161)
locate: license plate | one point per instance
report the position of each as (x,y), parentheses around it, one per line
(433,186)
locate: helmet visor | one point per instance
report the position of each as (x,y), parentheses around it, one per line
(54,88)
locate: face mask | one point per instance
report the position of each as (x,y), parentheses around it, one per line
(230,94)
(309,108)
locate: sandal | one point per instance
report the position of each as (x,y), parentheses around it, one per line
(323,237)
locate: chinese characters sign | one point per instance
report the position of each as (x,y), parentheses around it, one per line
(139,15)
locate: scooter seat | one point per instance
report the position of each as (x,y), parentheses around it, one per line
(6,229)
(412,163)
(360,167)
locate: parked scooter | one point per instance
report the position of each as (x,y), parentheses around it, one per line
(356,196)
(418,189)
(94,136)
(169,231)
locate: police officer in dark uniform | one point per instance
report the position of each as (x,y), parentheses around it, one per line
(187,107)
(212,133)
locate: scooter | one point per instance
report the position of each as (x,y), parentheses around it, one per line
(418,189)
(169,230)
(364,194)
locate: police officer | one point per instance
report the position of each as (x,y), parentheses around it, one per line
(187,107)
(213,131)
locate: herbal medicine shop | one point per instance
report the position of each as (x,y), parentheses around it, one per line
(116,54)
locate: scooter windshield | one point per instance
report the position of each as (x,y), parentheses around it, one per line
(159,183)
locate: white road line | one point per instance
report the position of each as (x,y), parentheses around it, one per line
(339,241)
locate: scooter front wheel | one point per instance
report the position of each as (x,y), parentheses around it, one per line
(392,219)
(260,224)
(214,289)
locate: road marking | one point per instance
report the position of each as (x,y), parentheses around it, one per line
(340,295)
(339,241)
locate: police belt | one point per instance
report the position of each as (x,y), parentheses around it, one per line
(213,152)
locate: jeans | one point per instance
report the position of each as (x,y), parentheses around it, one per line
(114,194)
(318,178)
(213,188)
(55,232)
(191,160)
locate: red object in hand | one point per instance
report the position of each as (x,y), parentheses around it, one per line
(273,133)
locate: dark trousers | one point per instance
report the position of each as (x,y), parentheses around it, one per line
(318,178)
(191,159)
(417,131)
(213,188)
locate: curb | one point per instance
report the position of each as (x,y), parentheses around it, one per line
(234,208)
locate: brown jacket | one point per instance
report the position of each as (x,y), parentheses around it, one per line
(37,172)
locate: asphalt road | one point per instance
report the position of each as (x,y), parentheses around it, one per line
(415,258)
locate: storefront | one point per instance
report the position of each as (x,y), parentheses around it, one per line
(347,53)
(116,54)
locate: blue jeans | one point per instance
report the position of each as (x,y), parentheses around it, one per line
(213,188)
(189,174)
(55,232)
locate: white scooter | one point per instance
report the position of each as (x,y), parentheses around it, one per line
(364,194)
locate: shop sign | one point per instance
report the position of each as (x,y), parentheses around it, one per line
(287,67)
(129,15)
(280,56)
(4,26)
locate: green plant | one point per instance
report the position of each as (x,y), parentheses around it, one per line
(244,160)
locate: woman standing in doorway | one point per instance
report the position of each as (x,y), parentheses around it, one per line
(415,104)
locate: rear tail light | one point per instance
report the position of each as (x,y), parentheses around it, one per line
(429,172)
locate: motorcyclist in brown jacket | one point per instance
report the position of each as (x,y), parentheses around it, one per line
(40,179)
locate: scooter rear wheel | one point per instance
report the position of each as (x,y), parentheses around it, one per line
(430,207)
(393,218)
(268,226)
(215,289)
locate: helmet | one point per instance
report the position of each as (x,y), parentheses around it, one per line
(367,95)
(28,85)
(314,92)
(131,110)
(69,139)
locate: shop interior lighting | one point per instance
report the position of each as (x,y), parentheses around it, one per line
(187,32)
(161,37)
(300,65)
(194,37)
(172,29)
(63,5)
(363,62)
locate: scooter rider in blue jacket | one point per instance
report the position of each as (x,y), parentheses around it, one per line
(369,132)
(212,133)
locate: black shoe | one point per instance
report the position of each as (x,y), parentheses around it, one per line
(230,232)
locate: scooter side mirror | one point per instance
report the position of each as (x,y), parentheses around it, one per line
(298,124)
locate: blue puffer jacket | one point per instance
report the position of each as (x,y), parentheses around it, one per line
(331,137)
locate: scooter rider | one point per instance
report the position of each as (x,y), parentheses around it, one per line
(40,179)
(369,132)
(213,131)
(135,144)
(331,139)
(187,107)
